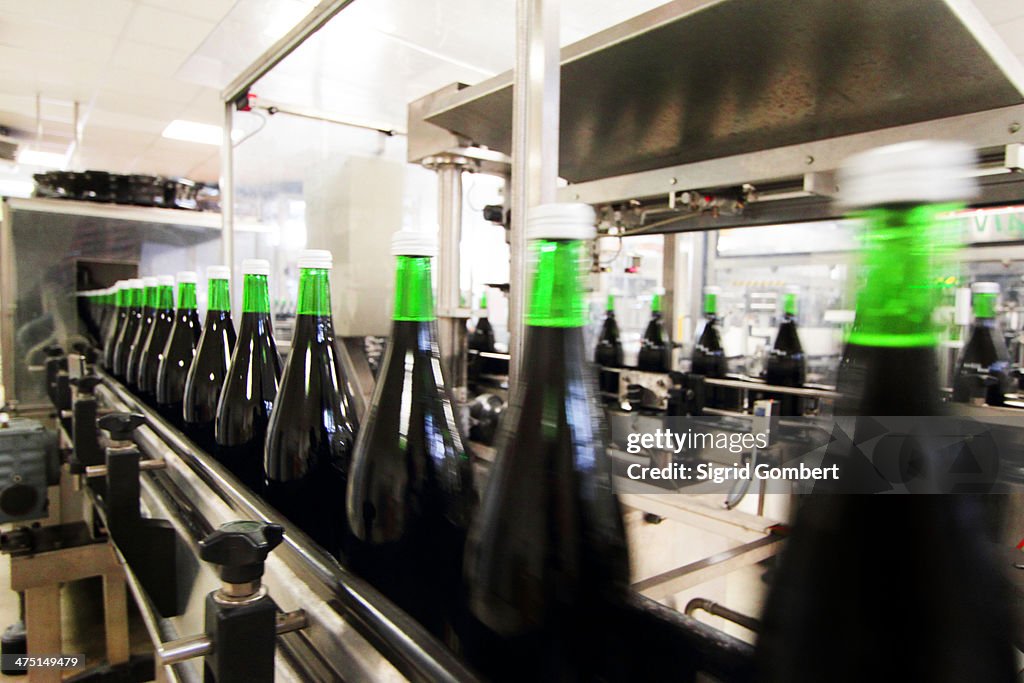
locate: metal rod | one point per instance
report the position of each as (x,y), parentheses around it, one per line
(452,318)
(227,194)
(712,607)
(535,110)
(285,45)
(274,109)
(758,386)
(199,646)
(144,466)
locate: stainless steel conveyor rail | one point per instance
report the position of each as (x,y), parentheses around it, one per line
(354,633)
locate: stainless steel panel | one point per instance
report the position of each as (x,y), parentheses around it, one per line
(680,84)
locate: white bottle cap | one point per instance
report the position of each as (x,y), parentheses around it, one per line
(316,258)
(218,273)
(135,283)
(562,221)
(926,171)
(985,288)
(791,289)
(711,289)
(255,266)
(413,243)
(187,276)
(165,281)
(149,281)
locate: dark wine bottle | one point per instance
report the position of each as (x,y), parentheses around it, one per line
(786,365)
(608,352)
(150,296)
(983,371)
(654,349)
(847,554)
(410,491)
(708,357)
(153,348)
(252,380)
(132,322)
(313,424)
(482,338)
(210,366)
(119,313)
(176,358)
(546,556)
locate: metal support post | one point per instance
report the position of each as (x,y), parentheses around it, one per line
(668,301)
(227,194)
(535,107)
(451,314)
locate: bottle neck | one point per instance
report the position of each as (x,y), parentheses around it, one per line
(136,298)
(894,308)
(121,300)
(656,306)
(152,297)
(984,307)
(414,300)
(710,305)
(610,305)
(255,294)
(165,297)
(186,296)
(219,298)
(556,294)
(314,292)
(789,305)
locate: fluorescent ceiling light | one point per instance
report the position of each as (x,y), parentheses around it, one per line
(191,131)
(203,133)
(31,157)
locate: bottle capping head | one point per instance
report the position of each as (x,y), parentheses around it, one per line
(561,221)
(413,243)
(218,273)
(917,172)
(320,259)
(255,266)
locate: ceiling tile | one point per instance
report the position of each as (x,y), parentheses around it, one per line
(211,10)
(132,82)
(167,29)
(128,121)
(92,17)
(138,105)
(74,44)
(161,61)
(999,11)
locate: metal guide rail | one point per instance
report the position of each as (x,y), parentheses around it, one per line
(352,631)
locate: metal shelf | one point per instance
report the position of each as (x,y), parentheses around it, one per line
(119,212)
(684,83)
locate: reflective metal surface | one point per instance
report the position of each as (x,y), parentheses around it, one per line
(660,90)
(353,634)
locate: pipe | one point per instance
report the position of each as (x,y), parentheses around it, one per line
(227,195)
(712,607)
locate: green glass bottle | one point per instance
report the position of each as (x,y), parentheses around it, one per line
(150,297)
(654,350)
(152,348)
(983,370)
(786,365)
(482,338)
(115,322)
(210,366)
(708,358)
(546,556)
(252,380)
(313,424)
(132,322)
(410,493)
(176,358)
(929,553)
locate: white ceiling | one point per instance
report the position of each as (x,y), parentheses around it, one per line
(135,65)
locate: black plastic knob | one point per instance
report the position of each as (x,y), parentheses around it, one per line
(86,384)
(494,213)
(241,548)
(121,425)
